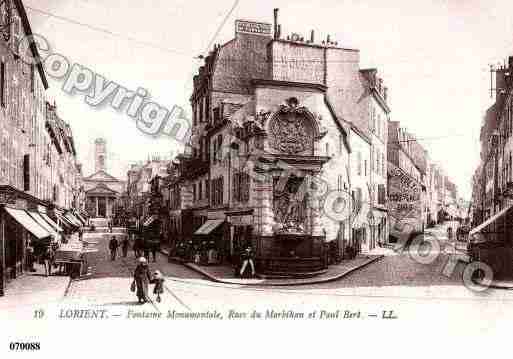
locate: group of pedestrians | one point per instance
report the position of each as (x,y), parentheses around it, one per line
(114,245)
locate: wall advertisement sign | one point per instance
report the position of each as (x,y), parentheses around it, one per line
(404,196)
(249,27)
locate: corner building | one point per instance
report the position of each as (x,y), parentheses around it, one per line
(269,148)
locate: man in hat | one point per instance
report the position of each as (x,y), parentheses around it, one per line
(113,246)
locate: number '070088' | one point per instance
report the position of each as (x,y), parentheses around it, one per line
(21,346)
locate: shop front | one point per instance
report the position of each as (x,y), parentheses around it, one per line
(19,230)
(240,230)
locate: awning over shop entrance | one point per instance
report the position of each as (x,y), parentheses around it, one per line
(490,221)
(71,217)
(209,226)
(79,217)
(37,217)
(28,223)
(51,222)
(65,221)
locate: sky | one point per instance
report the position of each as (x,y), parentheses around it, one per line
(434,57)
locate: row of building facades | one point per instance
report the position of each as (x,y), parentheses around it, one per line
(292,147)
(38,165)
(492,181)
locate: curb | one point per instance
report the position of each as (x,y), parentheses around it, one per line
(284,284)
(494,285)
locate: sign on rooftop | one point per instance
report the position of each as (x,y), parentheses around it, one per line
(249,27)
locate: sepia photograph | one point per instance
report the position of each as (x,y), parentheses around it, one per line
(242,178)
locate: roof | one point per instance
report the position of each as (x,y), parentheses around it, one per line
(101,176)
(101,188)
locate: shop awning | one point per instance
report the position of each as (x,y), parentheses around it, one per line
(51,222)
(28,223)
(65,221)
(71,217)
(209,226)
(80,218)
(149,220)
(490,221)
(37,217)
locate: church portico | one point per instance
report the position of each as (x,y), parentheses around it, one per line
(101,189)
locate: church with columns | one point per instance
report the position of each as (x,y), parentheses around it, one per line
(102,190)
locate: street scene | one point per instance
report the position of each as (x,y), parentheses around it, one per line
(292,169)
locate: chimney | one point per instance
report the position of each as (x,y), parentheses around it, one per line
(385,93)
(276,10)
(279,31)
(312,36)
(328,39)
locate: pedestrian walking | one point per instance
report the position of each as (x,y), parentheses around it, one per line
(124,246)
(30,258)
(142,278)
(247,259)
(158,280)
(47,259)
(138,246)
(146,247)
(154,248)
(113,246)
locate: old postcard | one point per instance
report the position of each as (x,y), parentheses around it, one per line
(242,178)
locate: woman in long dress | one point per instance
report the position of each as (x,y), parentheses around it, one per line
(142,277)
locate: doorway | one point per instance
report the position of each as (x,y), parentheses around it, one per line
(102,207)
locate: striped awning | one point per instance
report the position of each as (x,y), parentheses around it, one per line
(209,226)
(51,222)
(37,217)
(28,223)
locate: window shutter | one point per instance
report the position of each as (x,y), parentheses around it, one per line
(26,172)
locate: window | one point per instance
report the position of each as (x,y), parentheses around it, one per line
(381,194)
(365,167)
(377,161)
(200,190)
(200,117)
(240,185)
(2,83)
(359,164)
(194,191)
(378,168)
(383,164)
(327,149)
(340,144)
(217,191)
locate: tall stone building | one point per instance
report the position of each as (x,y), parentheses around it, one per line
(38,169)
(270,154)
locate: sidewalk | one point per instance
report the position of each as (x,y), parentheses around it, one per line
(34,288)
(225,274)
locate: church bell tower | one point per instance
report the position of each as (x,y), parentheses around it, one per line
(100,154)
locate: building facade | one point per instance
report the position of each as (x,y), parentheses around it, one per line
(101,189)
(38,169)
(270,156)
